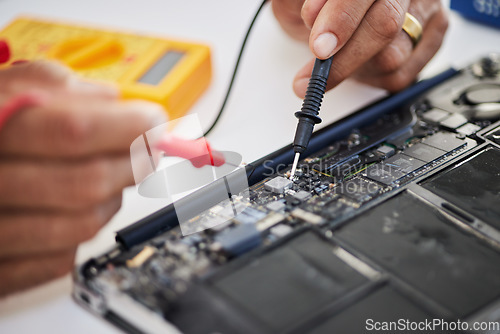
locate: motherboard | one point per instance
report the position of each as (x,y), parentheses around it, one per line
(399,219)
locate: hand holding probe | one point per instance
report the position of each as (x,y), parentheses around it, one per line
(308,115)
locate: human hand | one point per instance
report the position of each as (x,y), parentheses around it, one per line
(63,165)
(366,37)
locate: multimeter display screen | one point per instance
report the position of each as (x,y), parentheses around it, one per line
(159,70)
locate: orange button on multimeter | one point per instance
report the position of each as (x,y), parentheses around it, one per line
(170,72)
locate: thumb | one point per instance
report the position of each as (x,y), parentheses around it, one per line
(301,79)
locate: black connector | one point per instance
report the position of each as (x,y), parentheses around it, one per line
(308,115)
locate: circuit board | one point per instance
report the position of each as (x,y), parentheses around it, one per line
(401,212)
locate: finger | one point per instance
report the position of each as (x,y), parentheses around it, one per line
(428,46)
(287,13)
(52,77)
(372,35)
(310,11)
(398,52)
(334,25)
(44,72)
(31,232)
(63,185)
(21,273)
(78,127)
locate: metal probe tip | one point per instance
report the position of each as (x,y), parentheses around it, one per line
(294,166)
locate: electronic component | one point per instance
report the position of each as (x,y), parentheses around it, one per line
(386,151)
(358,189)
(435,115)
(444,141)
(278,184)
(239,239)
(276,206)
(319,189)
(302,195)
(141,257)
(393,168)
(424,152)
(383,173)
(453,121)
(404,163)
(308,216)
(468,129)
(193,239)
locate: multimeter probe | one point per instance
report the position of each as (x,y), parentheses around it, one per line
(309,114)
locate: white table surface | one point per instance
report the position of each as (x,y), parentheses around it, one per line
(258,120)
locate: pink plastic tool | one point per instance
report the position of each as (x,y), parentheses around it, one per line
(197,151)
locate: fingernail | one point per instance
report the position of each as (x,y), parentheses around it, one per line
(300,87)
(325,44)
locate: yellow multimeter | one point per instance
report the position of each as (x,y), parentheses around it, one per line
(170,72)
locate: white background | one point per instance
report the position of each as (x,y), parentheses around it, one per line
(258,120)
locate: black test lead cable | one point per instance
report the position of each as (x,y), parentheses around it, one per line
(309,114)
(236,66)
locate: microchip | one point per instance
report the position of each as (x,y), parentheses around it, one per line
(278,184)
(393,168)
(302,195)
(454,121)
(444,141)
(386,151)
(240,239)
(383,173)
(358,189)
(435,115)
(424,152)
(404,163)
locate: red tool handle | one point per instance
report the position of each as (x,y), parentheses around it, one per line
(197,151)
